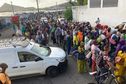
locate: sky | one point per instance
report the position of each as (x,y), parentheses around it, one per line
(32,3)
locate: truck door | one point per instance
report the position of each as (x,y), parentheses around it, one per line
(11,59)
(29,64)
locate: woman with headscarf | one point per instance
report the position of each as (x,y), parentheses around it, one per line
(94,51)
(113,43)
(75,41)
(120,44)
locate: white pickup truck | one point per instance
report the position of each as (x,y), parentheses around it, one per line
(26,58)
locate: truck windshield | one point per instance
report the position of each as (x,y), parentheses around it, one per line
(43,51)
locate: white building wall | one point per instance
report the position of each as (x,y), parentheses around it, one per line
(109,15)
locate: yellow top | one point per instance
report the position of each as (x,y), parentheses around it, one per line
(120,64)
(121,59)
(75,40)
(124,54)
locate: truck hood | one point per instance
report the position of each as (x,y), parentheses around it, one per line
(57,52)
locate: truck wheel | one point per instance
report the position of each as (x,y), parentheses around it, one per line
(52,71)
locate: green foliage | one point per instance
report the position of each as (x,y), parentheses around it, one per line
(68,14)
(85,2)
(82,2)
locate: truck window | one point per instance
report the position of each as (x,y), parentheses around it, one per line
(43,51)
(26,56)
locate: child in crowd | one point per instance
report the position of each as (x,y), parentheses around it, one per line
(81,62)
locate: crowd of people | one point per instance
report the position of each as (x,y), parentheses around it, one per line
(93,44)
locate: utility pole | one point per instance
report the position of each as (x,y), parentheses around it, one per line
(56,5)
(57,9)
(38,9)
(37,5)
(12,7)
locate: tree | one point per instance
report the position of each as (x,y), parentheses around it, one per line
(85,2)
(72,3)
(68,14)
(82,2)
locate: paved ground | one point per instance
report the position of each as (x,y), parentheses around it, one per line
(69,77)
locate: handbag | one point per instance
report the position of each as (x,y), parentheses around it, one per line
(88,55)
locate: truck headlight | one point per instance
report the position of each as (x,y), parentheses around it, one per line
(61,59)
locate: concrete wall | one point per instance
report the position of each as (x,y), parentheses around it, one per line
(109,15)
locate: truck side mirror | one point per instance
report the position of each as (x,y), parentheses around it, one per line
(38,59)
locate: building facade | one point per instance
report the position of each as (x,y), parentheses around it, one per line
(111,12)
(102,3)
